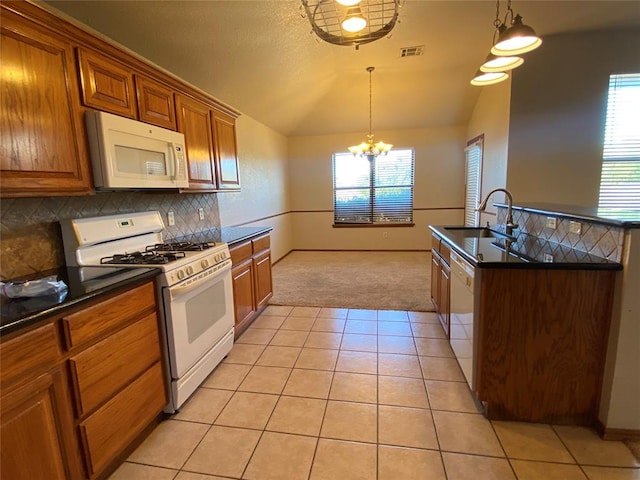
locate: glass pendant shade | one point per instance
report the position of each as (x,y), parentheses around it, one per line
(354,21)
(516,39)
(494,63)
(348,3)
(488,78)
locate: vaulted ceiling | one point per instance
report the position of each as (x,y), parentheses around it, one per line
(261,58)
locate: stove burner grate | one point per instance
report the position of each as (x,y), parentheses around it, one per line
(142,258)
(179,246)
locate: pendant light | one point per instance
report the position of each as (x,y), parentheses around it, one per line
(354,21)
(516,39)
(369,149)
(488,78)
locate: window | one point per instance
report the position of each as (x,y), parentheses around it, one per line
(620,180)
(472,183)
(373,192)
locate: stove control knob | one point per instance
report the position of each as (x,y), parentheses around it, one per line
(204,263)
(217,257)
(223,255)
(180,274)
(189,270)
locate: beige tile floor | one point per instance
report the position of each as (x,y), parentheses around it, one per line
(343,394)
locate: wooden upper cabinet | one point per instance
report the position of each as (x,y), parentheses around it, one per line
(224,142)
(106,85)
(194,121)
(155,103)
(43,150)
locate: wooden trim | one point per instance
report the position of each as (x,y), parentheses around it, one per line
(259,219)
(616,433)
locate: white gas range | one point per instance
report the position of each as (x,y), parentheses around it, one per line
(194,289)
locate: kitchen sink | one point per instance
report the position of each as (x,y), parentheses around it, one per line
(477,232)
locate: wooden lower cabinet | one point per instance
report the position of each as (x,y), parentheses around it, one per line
(440,280)
(72,404)
(252,282)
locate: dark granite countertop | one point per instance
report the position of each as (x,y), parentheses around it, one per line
(628,219)
(526,251)
(17,313)
(229,235)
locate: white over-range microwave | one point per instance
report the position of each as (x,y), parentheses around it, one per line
(126,153)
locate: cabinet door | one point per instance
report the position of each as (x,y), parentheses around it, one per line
(224,142)
(155,103)
(42,141)
(194,120)
(435,280)
(37,431)
(243,294)
(262,269)
(106,85)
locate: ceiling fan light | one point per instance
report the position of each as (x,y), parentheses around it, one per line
(516,39)
(348,3)
(354,22)
(495,63)
(488,78)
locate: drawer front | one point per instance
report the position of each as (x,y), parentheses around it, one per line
(104,368)
(108,431)
(261,243)
(29,352)
(94,321)
(445,253)
(240,252)
(435,243)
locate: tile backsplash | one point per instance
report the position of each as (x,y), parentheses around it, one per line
(596,239)
(31,241)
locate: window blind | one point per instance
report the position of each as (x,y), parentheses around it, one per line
(472,183)
(376,191)
(620,179)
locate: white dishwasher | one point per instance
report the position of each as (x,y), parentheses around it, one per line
(462,319)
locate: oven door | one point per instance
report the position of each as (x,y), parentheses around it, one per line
(198,314)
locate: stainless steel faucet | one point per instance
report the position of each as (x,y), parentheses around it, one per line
(509,226)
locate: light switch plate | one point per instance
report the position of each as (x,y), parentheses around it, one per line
(552,222)
(575,227)
(171,218)
(548,258)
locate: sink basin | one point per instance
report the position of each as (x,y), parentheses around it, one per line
(477,232)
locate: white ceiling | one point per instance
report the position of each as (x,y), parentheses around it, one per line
(261,58)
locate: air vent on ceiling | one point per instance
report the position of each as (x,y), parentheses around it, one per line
(412,51)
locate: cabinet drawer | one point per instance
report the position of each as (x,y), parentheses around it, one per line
(445,253)
(104,368)
(240,252)
(93,321)
(108,431)
(29,352)
(435,244)
(261,243)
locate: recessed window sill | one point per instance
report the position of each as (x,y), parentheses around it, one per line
(373,225)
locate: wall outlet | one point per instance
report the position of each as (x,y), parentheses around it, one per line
(201,213)
(385,234)
(552,222)
(548,258)
(171,218)
(575,227)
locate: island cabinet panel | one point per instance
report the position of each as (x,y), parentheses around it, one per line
(542,343)
(43,150)
(226,151)
(194,121)
(440,282)
(155,103)
(106,84)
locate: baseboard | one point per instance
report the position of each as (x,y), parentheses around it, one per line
(617,433)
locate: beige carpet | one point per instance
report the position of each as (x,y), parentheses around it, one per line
(368,280)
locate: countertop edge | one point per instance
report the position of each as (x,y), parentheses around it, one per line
(56,310)
(243,233)
(527,264)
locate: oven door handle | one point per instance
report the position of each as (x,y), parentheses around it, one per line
(217,276)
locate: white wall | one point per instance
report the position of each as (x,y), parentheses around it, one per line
(264,196)
(558,109)
(490,118)
(438,190)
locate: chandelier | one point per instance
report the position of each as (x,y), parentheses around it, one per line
(511,42)
(351,22)
(369,149)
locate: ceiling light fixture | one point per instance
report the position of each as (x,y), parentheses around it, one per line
(494,68)
(369,149)
(351,22)
(516,39)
